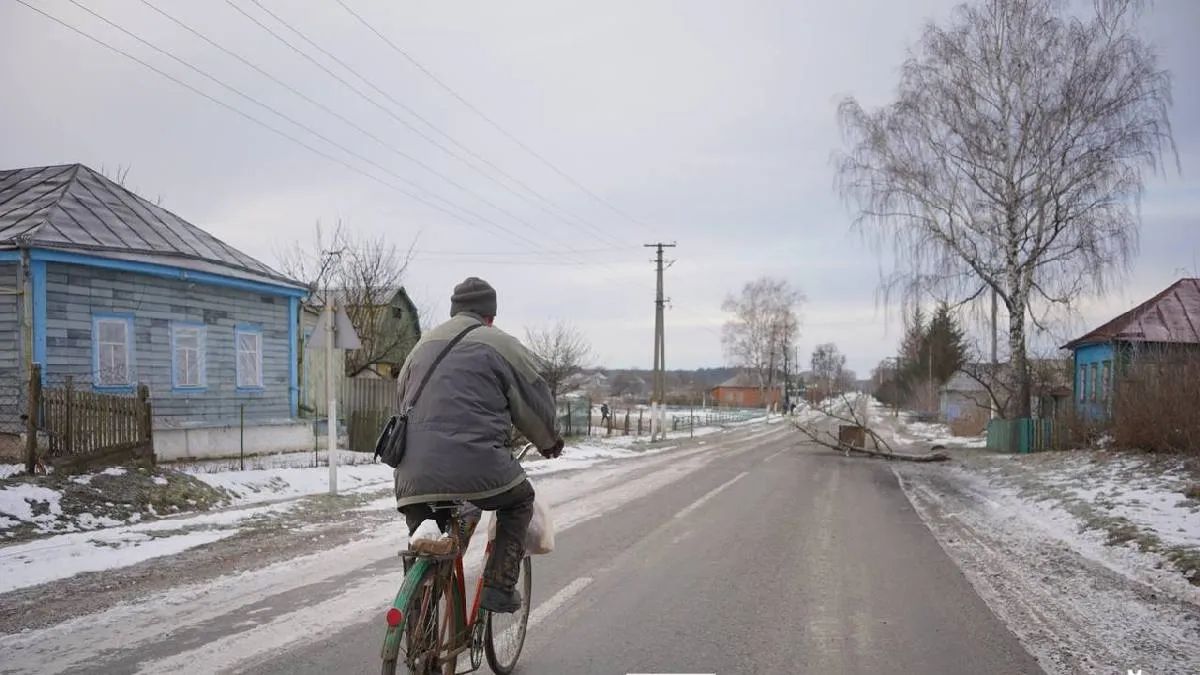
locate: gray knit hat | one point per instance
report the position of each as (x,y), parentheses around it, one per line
(473,295)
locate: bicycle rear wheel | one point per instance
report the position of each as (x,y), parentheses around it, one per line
(505,634)
(422,628)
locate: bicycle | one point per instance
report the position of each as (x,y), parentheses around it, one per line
(435,586)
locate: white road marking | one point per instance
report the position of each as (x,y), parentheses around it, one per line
(558,600)
(711,493)
(775,455)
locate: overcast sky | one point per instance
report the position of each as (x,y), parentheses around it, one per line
(708,124)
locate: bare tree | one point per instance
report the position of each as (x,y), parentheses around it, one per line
(562,350)
(828,366)
(764,323)
(364,275)
(1013,157)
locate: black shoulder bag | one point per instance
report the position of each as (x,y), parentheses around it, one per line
(394,438)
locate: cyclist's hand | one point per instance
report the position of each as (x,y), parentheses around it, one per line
(551,453)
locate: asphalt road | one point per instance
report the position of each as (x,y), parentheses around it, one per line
(773,557)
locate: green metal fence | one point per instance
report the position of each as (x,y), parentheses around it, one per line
(1021,435)
(575,417)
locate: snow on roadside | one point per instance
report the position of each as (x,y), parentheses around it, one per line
(1077,603)
(31,503)
(906,432)
(66,555)
(7,470)
(118,544)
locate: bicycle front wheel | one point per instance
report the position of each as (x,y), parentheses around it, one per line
(505,634)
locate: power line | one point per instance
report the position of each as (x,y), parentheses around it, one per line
(375,103)
(489,120)
(436,129)
(310,100)
(277,131)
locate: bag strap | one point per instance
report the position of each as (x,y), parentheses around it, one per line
(445,350)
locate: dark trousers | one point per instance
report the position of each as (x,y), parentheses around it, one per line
(514,509)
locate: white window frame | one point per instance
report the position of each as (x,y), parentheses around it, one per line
(238,333)
(201,333)
(99,350)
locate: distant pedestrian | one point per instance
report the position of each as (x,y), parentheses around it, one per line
(603,413)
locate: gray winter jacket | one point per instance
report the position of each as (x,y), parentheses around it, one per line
(459,429)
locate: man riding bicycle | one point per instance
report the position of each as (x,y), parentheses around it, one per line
(459,431)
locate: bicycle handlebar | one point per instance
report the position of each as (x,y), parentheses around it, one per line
(524,451)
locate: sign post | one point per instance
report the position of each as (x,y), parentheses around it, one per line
(334,331)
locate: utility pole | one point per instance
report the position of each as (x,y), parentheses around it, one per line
(660,354)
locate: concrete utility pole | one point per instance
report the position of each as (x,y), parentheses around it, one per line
(660,354)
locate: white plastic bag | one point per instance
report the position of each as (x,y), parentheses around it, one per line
(539,538)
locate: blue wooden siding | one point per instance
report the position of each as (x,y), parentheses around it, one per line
(1092,393)
(74,293)
(10,348)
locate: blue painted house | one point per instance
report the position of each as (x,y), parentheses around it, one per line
(1157,330)
(115,291)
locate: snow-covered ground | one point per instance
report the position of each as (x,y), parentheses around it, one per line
(93,543)
(1091,558)
(908,432)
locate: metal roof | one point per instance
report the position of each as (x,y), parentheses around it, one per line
(741,381)
(72,207)
(1172,316)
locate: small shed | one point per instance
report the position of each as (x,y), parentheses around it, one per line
(1162,329)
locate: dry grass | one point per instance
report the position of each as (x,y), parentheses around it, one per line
(1157,407)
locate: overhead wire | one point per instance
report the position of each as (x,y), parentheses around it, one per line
(415,196)
(318,104)
(536,155)
(600,232)
(294,139)
(390,112)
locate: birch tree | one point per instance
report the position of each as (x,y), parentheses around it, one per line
(764,324)
(1013,157)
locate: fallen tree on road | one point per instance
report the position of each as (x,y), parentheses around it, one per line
(855,434)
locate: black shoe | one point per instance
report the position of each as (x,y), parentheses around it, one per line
(499,600)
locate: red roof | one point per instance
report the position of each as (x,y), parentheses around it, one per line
(1172,316)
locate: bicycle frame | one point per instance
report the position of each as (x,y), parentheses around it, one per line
(464,623)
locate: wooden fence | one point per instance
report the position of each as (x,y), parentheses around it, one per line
(365,404)
(81,422)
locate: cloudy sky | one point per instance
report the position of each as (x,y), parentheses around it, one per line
(708,124)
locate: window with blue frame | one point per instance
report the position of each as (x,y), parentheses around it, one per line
(112,351)
(248,345)
(188,360)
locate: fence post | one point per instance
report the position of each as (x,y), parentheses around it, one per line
(610,419)
(569,418)
(31,423)
(589,418)
(147,420)
(68,413)
(639,433)
(626,422)
(691,422)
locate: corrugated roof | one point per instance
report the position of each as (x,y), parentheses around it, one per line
(1172,316)
(73,207)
